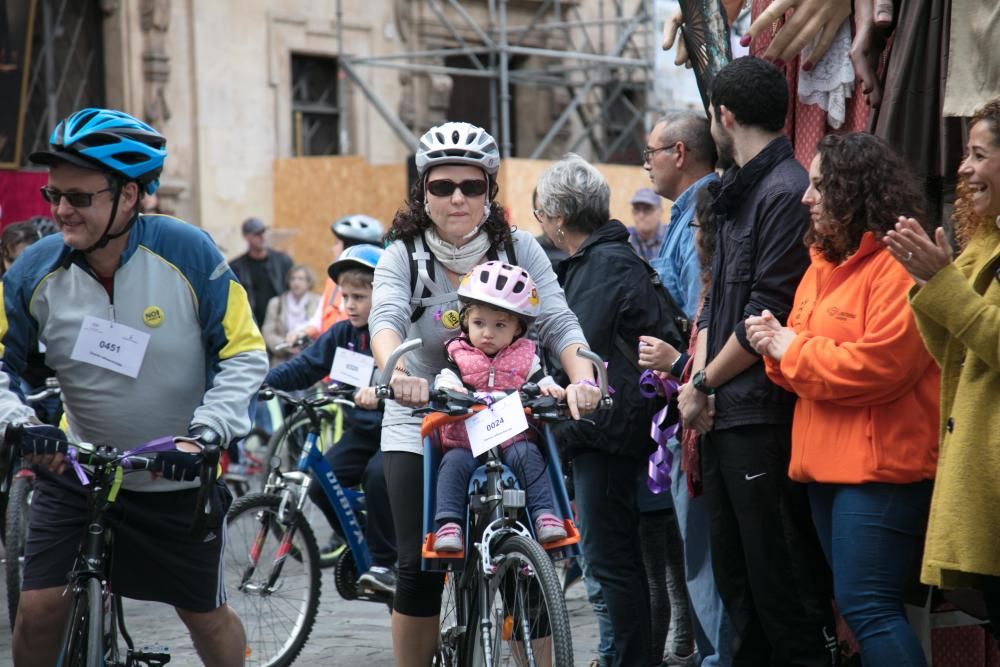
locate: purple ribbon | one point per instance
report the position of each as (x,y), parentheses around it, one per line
(652,385)
(164,444)
(72,454)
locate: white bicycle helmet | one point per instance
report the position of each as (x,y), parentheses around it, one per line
(458,143)
(358,228)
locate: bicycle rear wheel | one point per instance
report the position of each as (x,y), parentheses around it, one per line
(278,615)
(527,611)
(83,641)
(16,521)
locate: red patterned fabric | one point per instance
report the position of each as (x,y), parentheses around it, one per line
(806,124)
(509,369)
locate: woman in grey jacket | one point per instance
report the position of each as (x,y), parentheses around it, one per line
(449,225)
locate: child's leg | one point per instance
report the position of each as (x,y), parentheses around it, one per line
(379,529)
(525,459)
(457,466)
(348,458)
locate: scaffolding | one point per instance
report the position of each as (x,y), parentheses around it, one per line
(602,62)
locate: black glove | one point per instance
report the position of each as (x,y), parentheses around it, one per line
(42,440)
(204,436)
(178,466)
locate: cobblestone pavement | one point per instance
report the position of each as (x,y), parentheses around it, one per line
(346,633)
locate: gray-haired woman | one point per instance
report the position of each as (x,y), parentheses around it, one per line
(609,288)
(450,224)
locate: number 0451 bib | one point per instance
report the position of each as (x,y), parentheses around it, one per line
(110,345)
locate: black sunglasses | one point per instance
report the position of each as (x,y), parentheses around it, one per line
(75,199)
(446,188)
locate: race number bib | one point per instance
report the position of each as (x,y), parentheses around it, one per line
(501,421)
(353,368)
(109,345)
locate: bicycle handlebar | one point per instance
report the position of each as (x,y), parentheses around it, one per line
(102,456)
(383,390)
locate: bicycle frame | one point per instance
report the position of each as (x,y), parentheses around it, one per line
(345,501)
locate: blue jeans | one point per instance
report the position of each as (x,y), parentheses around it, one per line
(713,632)
(606,634)
(872,536)
(457,466)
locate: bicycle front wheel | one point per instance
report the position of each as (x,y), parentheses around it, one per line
(529,624)
(272,576)
(16,521)
(83,641)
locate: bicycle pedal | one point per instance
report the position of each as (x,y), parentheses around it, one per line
(152,656)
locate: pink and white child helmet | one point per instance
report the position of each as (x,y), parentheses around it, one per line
(502,286)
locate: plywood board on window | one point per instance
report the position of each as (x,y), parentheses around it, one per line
(311,192)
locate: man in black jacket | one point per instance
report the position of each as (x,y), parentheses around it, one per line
(262,270)
(768,566)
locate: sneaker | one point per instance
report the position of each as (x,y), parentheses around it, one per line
(674,660)
(379,578)
(449,538)
(329,554)
(549,528)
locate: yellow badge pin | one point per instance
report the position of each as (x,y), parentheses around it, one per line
(449,319)
(152,316)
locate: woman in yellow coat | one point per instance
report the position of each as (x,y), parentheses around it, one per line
(957,308)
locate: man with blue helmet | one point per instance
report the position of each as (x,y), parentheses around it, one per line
(357,457)
(192,365)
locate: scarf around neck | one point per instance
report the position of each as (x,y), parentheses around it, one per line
(458,259)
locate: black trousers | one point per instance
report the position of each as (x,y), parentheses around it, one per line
(356,459)
(609,522)
(768,564)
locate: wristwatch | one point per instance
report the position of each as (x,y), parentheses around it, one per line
(699,383)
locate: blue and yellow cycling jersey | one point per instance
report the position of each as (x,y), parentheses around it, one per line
(204,361)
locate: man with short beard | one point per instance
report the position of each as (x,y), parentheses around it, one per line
(765,554)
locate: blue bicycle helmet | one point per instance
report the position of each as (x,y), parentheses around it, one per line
(364,256)
(108,140)
(112,142)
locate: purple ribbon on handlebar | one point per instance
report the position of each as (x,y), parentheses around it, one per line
(73,455)
(164,444)
(652,385)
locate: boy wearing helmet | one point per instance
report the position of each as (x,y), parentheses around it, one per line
(140,279)
(349,231)
(499,302)
(356,458)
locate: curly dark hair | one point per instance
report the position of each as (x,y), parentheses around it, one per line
(965,221)
(754,90)
(707,220)
(412,219)
(865,187)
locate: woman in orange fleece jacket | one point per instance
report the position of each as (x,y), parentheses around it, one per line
(864,434)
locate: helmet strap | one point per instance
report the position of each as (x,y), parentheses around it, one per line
(107,236)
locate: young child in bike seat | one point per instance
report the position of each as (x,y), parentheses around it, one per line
(356,458)
(499,303)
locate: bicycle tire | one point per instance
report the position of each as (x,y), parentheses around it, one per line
(450,633)
(288,440)
(295,596)
(525,600)
(16,522)
(83,641)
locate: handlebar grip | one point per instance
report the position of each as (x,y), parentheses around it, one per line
(203,508)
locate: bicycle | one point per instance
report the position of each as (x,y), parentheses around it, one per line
(96,617)
(16,501)
(503,601)
(272,558)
